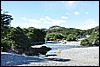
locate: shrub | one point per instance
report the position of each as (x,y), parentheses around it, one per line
(71,37)
(93,40)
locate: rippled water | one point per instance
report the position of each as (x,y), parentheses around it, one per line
(59,46)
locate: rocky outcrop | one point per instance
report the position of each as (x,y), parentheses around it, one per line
(40,50)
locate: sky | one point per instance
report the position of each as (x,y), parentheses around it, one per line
(44,14)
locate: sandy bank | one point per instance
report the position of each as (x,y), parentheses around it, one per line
(72,57)
(69,57)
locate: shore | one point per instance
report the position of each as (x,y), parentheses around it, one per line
(88,56)
(83,56)
(75,43)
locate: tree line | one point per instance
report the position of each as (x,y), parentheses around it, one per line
(72,34)
(19,38)
(15,38)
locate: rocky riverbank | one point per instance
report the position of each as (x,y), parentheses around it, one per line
(88,56)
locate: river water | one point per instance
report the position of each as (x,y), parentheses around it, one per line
(56,46)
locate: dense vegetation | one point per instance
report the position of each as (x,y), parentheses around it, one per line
(53,36)
(69,34)
(93,40)
(72,34)
(19,38)
(22,38)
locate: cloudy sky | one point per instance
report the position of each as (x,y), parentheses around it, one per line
(44,14)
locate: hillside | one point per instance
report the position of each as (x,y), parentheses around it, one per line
(64,31)
(72,34)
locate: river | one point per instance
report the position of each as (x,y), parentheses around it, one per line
(56,46)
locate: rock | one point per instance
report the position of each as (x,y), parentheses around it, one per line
(42,50)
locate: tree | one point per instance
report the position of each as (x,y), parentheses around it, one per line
(85,42)
(71,37)
(53,36)
(14,38)
(5,29)
(22,41)
(36,36)
(93,40)
(5,23)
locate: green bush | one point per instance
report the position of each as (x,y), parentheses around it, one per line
(6,44)
(71,37)
(93,40)
(85,42)
(53,36)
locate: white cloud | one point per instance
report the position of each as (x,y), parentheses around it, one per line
(71,2)
(57,22)
(45,20)
(64,17)
(51,21)
(24,18)
(42,19)
(76,13)
(34,20)
(54,22)
(86,13)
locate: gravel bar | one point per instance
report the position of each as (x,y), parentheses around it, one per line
(88,56)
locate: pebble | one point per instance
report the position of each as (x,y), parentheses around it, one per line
(77,57)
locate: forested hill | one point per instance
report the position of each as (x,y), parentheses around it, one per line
(58,32)
(66,31)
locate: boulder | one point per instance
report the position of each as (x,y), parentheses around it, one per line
(40,50)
